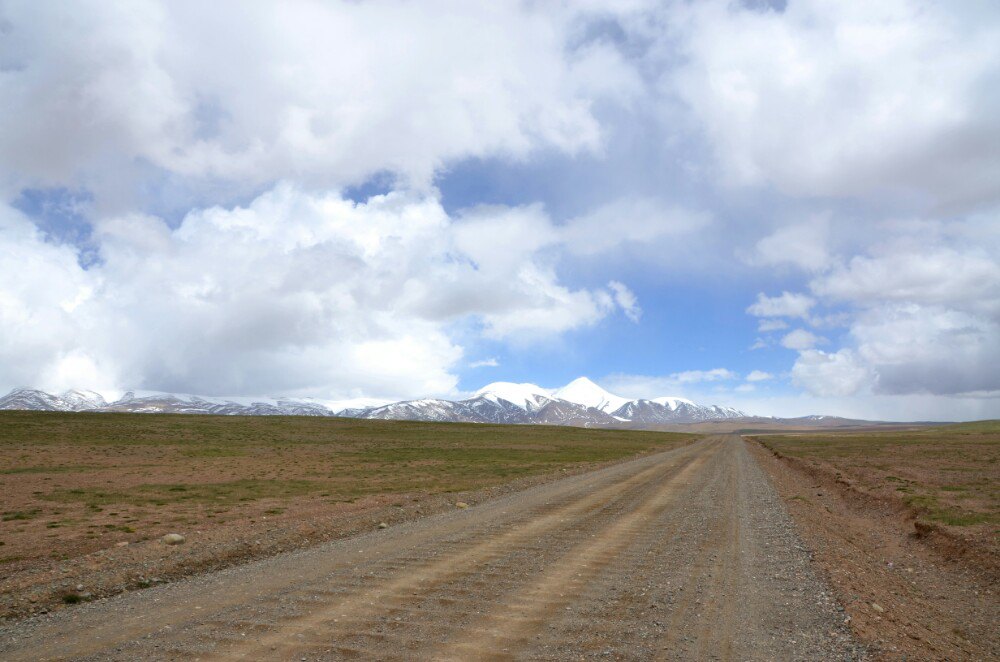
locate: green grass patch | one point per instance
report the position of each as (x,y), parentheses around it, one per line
(57,469)
(213,451)
(16,515)
(952,470)
(162,494)
(285,457)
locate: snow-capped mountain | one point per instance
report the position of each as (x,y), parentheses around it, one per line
(157,403)
(72,400)
(524,396)
(584,392)
(580,403)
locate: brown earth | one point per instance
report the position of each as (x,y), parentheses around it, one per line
(914,589)
(683,554)
(43,584)
(86,497)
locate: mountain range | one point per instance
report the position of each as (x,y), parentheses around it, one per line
(579,403)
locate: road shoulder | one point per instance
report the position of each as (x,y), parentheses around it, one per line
(904,600)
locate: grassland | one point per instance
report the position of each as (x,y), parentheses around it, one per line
(76,483)
(948,475)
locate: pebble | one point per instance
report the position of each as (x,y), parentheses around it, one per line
(173,539)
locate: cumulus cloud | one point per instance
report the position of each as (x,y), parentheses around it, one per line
(801,244)
(923,312)
(177,123)
(967,278)
(801,339)
(626,300)
(293,293)
(787,304)
(630,221)
(766,325)
(759,376)
(325,93)
(831,374)
(848,99)
(917,349)
(43,297)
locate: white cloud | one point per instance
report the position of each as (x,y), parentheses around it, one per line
(650,386)
(967,278)
(766,325)
(831,374)
(802,244)
(869,406)
(43,301)
(324,93)
(801,339)
(693,376)
(918,349)
(626,300)
(294,293)
(788,304)
(839,98)
(923,312)
(491,362)
(759,376)
(630,222)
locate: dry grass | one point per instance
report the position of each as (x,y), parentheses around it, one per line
(76,483)
(949,475)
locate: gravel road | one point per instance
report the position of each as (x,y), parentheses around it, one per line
(687,554)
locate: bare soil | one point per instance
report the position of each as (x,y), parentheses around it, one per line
(86,497)
(683,554)
(914,589)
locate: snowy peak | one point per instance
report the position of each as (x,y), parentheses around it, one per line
(580,403)
(584,392)
(525,396)
(82,400)
(33,399)
(672,403)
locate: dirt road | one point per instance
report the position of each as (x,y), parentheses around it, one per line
(687,554)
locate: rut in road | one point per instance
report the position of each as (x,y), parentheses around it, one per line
(685,554)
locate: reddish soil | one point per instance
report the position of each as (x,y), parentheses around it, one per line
(67,562)
(912,590)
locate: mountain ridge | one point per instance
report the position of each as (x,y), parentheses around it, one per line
(580,403)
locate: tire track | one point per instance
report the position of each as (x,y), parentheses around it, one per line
(319,628)
(522,612)
(180,612)
(701,623)
(686,554)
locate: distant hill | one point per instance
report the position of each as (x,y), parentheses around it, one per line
(580,403)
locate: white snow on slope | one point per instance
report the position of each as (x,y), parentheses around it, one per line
(584,392)
(672,402)
(525,396)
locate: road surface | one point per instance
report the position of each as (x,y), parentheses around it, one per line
(686,554)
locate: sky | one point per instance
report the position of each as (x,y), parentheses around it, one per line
(789,208)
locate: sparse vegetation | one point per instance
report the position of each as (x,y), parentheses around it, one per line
(75,483)
(15,515)
(947,475)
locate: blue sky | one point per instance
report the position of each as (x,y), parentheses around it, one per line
(789,208)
